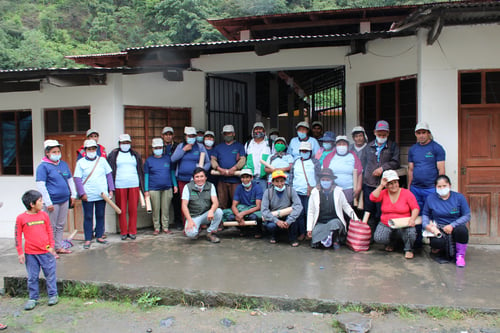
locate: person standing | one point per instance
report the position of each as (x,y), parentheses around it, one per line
(92,134)
(159,185)
(327,150)
(228,158)
(360,142)
(381,154)
(209,144)
(55,182)
(256,150)
(426,161)
(169,146)
(280,160)
(317,129)
(128,177)
(302,136)
(93,176)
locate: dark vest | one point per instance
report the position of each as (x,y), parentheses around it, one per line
(199,202)
(326,207)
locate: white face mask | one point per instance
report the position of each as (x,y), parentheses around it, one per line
(381,140)
(91,154)
(55,157)
(443,191)
(341,150)
(209,143)
(125,147)
(158,152)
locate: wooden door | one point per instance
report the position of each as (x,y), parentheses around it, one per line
(479,139)
(71,143)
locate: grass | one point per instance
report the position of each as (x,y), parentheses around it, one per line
(147,300)
(81,290)
(405,312)
(448,313)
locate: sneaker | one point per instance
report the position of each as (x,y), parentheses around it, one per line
(460,261)
(30,304)
(132,237)
(123,237)
(212,238)
(53,300)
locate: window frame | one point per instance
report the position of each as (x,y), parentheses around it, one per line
(17,158)
(59,110)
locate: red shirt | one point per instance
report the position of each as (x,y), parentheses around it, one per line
(401,208)
(38,236)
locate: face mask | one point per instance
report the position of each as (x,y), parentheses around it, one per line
(326,184)
(381,140)
(443,191)
(54,157)
(209,143)
(327,145)
(191,141)
(279,189)
(301,135)
(158,152)
(246,185)
(228,138)
(91,154)
(258,135)
(273,137)
(198,187)
(341,150)
(305,156)
(199,139)
(279,147)
(125,147)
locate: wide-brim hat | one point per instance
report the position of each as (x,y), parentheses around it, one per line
(327,172)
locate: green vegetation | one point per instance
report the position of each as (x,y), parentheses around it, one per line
(147,300)
(440,313)
(39,33)
(405,312)
(81,290)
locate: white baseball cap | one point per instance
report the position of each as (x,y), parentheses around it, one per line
(89,143)
(189,130)
(51,144)
(422,126)
(228,129)
(167,129)
(390,175)
(157,142)
(124,138)
(92,131)
(305,145)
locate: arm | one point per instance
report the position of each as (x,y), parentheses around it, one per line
(185,211)
(214,162)
(464,212)
(393,163)
(266,208)
(241,163)
(296,208)
(411,165)
(375,196)
(146,184)
(45,194)
(178,153)
(441,168)
(254,209)
(311,222)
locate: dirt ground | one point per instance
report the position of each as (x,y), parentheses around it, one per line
(75,315)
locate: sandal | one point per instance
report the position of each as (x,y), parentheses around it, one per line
(86,246)
(272,241)
(389,248)
(409,255)
(3,327)
(295,244)
(101,240)
(63,251)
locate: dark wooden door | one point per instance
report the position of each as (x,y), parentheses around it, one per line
(479,139)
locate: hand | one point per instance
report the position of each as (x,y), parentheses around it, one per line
(72,202)
(190,225)
(52,251)
(187,147)
(383,182)
(411,222)
(50,208)
(176,189)
(146,194)
(84,197)
(448,229)
(356,193)
(239,217)
(309,234)
(210,216)
(282,224)
(111,194)
(377,172)
(21,258)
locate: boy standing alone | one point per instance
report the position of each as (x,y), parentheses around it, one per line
(38,248)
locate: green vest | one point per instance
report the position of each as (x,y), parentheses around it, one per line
(199,202)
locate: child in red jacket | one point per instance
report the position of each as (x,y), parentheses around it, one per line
(38,248)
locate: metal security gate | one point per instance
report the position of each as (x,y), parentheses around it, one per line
(227,103)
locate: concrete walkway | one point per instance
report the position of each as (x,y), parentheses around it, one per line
(250,267)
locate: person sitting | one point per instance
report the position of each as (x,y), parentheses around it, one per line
(200,206)
(396,202)
(276,198)
(326,224)
(246,202)
(450,212)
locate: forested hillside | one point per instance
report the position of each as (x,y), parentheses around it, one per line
(39,33)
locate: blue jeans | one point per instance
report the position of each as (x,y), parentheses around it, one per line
(301,220)
(47,263)
(202,219)
(421,195)
(273,229)
(88,218)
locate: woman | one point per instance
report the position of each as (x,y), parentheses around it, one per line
(396,203)
(54,181)
(326,224)
(280,160)
(327,150)
(160,185)
(128,178)
(93,176)
(343,165)
(450,212)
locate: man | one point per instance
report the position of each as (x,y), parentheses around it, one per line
(258,149)
(200,206)
(381,155)
(302,136)
(360,141)
(246,202)
(169,145)
(426,160)
(92,134)
(276,198)
(228,157)
(317,129)
(200,133)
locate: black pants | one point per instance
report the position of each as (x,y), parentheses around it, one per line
(459,234)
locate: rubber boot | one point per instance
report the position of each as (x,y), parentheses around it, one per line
(460,256)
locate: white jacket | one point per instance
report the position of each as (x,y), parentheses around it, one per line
(341,205)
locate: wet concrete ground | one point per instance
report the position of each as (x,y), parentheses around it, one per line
(255,267)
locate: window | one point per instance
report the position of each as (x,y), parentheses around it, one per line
(480,87)
(393,100)
(146,123)
(67,121)
(16,150)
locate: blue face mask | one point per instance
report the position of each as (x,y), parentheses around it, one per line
(125,147)
(199,139)
(328,146)
(191,141)
(55,157)
(301,135)
(326,184)
(158,152)
(279,189)
(305,156)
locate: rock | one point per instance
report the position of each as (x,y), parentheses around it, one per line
(253,313)
(290,327)
(167,322)
(353,322)
(149,330)
(227,322)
